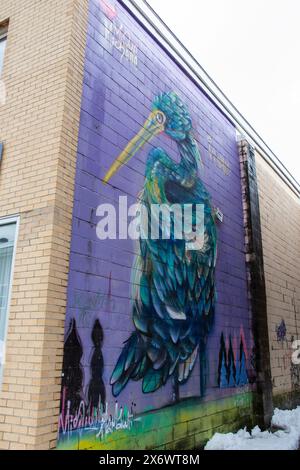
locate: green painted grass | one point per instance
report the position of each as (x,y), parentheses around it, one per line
(185,425)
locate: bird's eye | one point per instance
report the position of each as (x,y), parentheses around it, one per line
(160,118)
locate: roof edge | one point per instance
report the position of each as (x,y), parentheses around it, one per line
(154,25)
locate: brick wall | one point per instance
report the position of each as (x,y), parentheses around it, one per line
(280,221)
(39,124)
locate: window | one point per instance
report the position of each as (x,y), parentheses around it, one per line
(7,248)
(3,38)
(2,49)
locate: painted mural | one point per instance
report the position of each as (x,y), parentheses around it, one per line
(158,343)
(173,286)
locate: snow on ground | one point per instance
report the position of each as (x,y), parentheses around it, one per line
(286,439)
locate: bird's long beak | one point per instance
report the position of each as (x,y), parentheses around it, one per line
(150,129)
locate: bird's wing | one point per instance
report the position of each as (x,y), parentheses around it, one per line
(191,270)
(174,290)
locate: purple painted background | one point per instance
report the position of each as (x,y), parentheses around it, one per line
(117,97)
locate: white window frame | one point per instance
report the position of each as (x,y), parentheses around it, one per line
(3,36)
(6,221)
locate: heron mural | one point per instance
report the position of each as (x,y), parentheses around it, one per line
(173,289)
(145,337)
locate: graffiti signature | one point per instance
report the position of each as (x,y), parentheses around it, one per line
(217,158)
(120,39)
(121,419)
(99,419)
(87,302)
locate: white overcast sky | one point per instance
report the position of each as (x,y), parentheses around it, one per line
(251,48)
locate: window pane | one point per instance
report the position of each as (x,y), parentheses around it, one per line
(2,49)
(7,240)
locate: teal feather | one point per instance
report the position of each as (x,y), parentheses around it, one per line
(153,380)
(144,291)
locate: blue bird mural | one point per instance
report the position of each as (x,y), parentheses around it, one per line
(173,287)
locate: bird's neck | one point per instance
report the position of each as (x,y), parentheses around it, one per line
(190,158)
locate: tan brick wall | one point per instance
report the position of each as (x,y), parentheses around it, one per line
(39,123)
(280,219)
